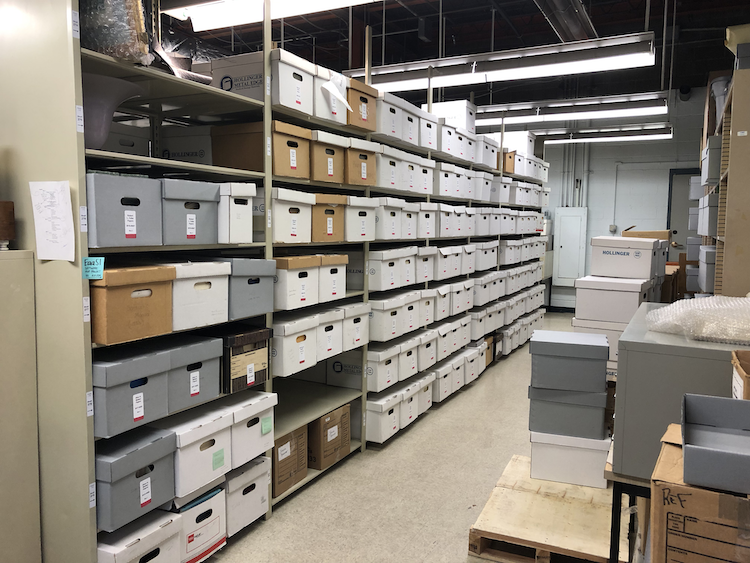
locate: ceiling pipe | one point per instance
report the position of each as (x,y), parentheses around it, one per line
(568,19)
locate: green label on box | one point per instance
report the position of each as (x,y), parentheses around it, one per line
(218,459)
(266,424)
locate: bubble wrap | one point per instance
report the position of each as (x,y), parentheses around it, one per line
(116,28)
(715,319)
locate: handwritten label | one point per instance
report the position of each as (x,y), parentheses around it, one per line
(83,218)
(195,383)
(191,225)
(293,159)
(87,309)
(364,171)
(333,433)
(266,424)
(89,403)
(293,227)
(79,119)
(93,268)
(330,167)
(302,353)
(268,86)
(268,146)
(138,407)
(251,374)
(130,224)
(329,226)
(298,95)
(76,21)
(285,451)
(92,495)
(145,491)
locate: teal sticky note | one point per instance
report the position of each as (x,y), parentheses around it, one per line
(93,268)
(218,459)
(266,425)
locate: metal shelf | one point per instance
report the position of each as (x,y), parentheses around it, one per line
(349,295)
(314,474)
(162,167)
(302,119)
(177,97)
(521,178)
(172,248)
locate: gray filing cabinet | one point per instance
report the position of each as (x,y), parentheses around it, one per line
(654,371)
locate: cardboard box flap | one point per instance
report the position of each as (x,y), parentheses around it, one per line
(428,335)
(293,60)
(298,262)
(122,455)
(328,74)
(470,354)
(457,362)
(596,400)
(325,138)
(471,211)
(380,352)
(463,321)
(329,316)
(331,199)
(426,380)
(368,202)
(237,189)
(250,404)
(195,424)
(408,343)
(443,289)
(626,242)
(187,349)
(445,167)
(458,286)
(115,366)
(187,270)
(364,146)
(383,402)
(614,284)
(444,329)
(333,259)
(292,130)
(356,310)
(139,275)
(448,250)
(426,163)
(387,303)
(393,253)
(251,267)
(673,435)
(391,202)
(571,441)
(468,284)
(469,248)
(443,369)
(363,88)
(239,478)
(426,251)
(139,538)
(488,140)
(478,313)
(295,325)
(459,209)
(187,190)
(425,206)
(293,196)
(390,151)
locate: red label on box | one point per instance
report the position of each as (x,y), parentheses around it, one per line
(129,236)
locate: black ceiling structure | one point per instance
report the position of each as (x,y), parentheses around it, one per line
(412,33)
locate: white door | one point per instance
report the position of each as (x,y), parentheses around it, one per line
(570,245)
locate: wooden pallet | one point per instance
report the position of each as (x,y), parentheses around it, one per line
(527,521)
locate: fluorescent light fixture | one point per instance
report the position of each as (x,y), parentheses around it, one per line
(578,57)
(626,133)
(228,13)
(621,139)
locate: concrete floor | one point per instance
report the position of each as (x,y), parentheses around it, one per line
(415,498)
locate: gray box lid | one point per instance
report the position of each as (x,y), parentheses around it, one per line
(122,455)
(186,350)
(598,400)
(251,267)
(189,190)
(569,344)
(115,366)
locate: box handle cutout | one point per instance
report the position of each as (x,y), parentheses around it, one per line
(410,308)
(392,110)
(363,100)
(192,205)
(140,293)
(394,313)
(195,366)
(202,286)
(241,201)
(302,275)
(248,490)
(329,212)
(427,303)
(294,210)
(253,421)
(362,213)
(297,76)
(138,382)
(392,162)
(411,167)
(330,151)
(357,320)
(130,201)
(329,328)
(253,281)
(428,345)
(426,260)
(408,261)
(409,353)
(393,213)
(427,215)
(409,119)
(144,471)
(334,270)
(207,444)
(390,412)
(460,138)
(363,157)
(409,216)
(301,338)
(293,144)
(410,399)
(150,556)
(201,517)
(126,143)
(391,264)
(429,125)
(449,132)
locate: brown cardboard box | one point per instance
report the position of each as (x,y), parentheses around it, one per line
(690,524)
(327,162)
(243,347)
(361,98)
(360,168)
(289,460)
(131,303)
(490,355)
(297,262)
(242,146)
(668,288)
(509,162)
(333,259)
(328,439)
(328,218)
(741,374)
(661,235)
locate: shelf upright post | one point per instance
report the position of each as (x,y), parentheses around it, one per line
(267,184)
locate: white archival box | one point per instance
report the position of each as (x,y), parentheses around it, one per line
(292,215)
(609,299)
(624,257)
(330,334)
(200,294)
(294,345)
(382,366)
(236,213)
(356,325)
(359,219)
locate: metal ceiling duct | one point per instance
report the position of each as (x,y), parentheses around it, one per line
(568,19)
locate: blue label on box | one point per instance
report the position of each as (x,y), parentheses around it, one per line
(93,268)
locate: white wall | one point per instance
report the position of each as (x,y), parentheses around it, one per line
(629,182)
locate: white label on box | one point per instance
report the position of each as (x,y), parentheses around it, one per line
(298,95)
(364,171)
(742,133)
(393,326)
(393,124)
(393,280)
(329,345)
(251,374)
(429,226)
(393,227)
(293,229)
(388,375)
(426,270)
(195,383)
(429,136)
(130,224)
(333,286)
(293,159)
(363,111)
(393,176)
(285,451)
(408,225)
(76,25)
(334,106)
(89,403)
(411,319)
(411,178)
(268,85)
(302,291)
(302,353)
(357,333)
(83,217)
(329,226)
(268,146)
(138,407)
(87,309)
(145,490)
(269,218)
(79,119)
(333,433)
(363,227)
(191,225)
(92,495)
(448,144)
(738,386)
(330,166)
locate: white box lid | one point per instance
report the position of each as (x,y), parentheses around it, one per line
(196,424)
(427,250)
(488,245)
(380,352)
(444,328)
(446,208)
(409,389)
(366,146)
(571,441)
(469,248)
(470,353)
(442,369)
(325,317)
(427,293)
(411,206)
(428,335)
(295,325)
(384,401)
(356,309)
(488,140)
(138,538)
(443,289)
(478,314)
(389,98)
(599,325)
(448,250)
(184,270)
(330,139)
(237,189)
(425,206)
(247,405)
(426,380)
(458,286)
(457,361)
(409,343)
(357,201)
(391,202)
(445,167)
(626,242)
(459,209)
(328,74)
(612,284)
(293,60)
(387,303)
(292,196)
(468,284)
(411,296)
(426,162)
(390,151)
(241,477)
(393,253)
(471,210)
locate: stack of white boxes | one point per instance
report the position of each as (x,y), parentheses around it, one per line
(623,273)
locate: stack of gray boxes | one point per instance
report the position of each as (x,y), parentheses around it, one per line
(568,397)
